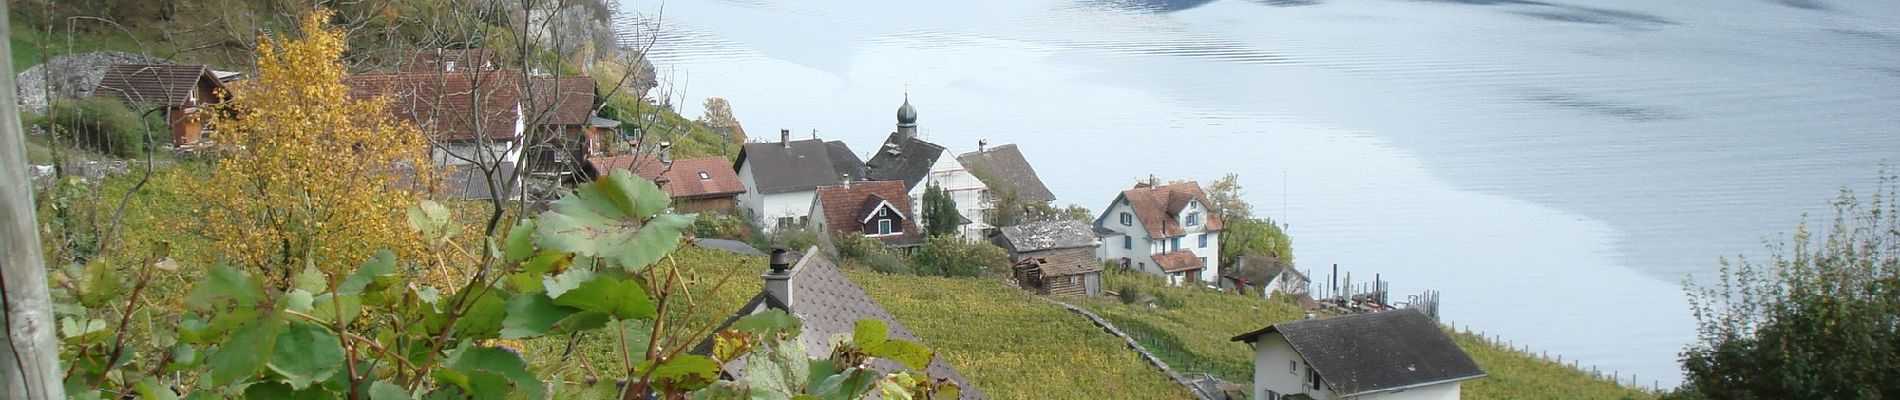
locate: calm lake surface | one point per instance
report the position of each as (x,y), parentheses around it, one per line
(1556,168)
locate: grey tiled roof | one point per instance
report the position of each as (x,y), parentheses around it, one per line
(1049,235)
(1364,353)
(801,166)
(910,163)
(843,162)
(829,305)
(1004,167)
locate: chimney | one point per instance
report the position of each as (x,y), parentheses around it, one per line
(814,133)
(847,180)
(981,143)
(778,281)
(785,137)
(1153,181)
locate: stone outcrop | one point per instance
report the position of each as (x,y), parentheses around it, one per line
(70,76)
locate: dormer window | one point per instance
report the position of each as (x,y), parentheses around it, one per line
(884,227)
(705,176)
(1194,219)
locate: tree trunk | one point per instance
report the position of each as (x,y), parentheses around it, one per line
(29,360)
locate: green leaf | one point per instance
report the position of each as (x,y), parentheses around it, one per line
(310,280)
(622,298)
(101,284)
(559,284)
(306,353)
(222,282)
(913,355)
(532,315)
(432,219)
(378,273)
(243,355)
(383,390)
(520,242)
(481,367)
(869,332)
(536,269)
(682,373)
(483,319)
(280,391)
(770,321)
(326,308)
(615,218)
(581,321)
(779,370)
(149,389)
(297,300)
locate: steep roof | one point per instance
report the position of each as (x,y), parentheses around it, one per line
(463,60)
(847,206)
(448,105)
(1050,235)
(1178,260)
(1365,353)
(566,100)
(689,178)
(1004,167)
(844,162)
(796,166)
(828,304)
(466,181)
(1159,207)
(903,159)
(1064,263)
(155,84)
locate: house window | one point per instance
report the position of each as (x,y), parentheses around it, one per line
(1272,395)
(1203,261)
(1203,240)
(1128,219)
(1175,242)
(785,222)
(1194,219)
(883,227)
(1125,262)
(1312,378)
(1292,367)
(1128,242)
(705,177)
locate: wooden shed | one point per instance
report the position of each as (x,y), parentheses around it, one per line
(1071,272)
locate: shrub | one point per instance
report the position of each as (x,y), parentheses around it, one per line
(99,124)
(873,253)
(793,239)
(951,256)
(721,226)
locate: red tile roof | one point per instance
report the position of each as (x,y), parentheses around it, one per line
(1177,261)
(1159,207)
(156,84)
(846,207)
(689,178)
(445,105)
(567,100)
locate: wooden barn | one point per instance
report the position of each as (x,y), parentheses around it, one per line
(1063,273)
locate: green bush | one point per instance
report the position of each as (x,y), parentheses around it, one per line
(873,253)
(98,124)
(951,256)
(721,226)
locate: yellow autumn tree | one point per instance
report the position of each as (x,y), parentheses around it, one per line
(308,176)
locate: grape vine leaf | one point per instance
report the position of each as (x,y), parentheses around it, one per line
(621,298)
(617,217)
(306,353)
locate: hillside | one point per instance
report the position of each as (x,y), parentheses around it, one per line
(1191,330)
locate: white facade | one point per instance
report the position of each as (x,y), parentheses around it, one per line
(1279,371)
(470,151)
(1131,241)
(971,196)
(770,210)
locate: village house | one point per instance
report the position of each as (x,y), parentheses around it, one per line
(1164,230)
(904,157)
(185,92)
(1054,257)
(694,184)
(1006,173)
(873,209)
(781,178)
(828,305)
(1395,355)
(562,108)
(468,117)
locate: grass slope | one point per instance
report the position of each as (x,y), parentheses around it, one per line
(1191,328)
(1012,345)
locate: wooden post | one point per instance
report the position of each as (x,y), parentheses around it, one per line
(28,354)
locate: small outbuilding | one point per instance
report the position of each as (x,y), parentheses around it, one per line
(1398,354)
(185,92)
(1054,257)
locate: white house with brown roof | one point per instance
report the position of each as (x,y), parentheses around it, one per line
(1165,230)
(873,209)
(1390,355)
(781,178)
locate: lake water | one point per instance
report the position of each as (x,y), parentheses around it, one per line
(1556,169)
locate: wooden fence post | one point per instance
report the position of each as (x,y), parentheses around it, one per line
(28,353)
